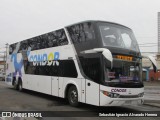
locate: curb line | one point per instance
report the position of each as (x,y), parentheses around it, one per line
(148,104)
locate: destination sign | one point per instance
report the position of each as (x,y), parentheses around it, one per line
(122,57)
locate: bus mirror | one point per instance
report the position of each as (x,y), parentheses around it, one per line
(88,51)
(152,59)
(106,53)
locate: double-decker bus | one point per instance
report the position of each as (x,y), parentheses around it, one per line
(92,62)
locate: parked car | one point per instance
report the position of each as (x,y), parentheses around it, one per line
(2,76)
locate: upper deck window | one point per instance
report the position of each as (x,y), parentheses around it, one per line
(117,36)
(48,40)
(82,32)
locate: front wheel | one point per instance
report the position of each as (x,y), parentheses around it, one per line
(73,96)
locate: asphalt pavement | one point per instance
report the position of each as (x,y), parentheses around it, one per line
(12,100)
(152,93)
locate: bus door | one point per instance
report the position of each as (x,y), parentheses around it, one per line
(92,93)
(92,69)
(54,83)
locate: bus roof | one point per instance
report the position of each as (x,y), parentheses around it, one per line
(96,21)
(93,21)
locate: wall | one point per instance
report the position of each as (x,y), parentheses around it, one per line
(154,76)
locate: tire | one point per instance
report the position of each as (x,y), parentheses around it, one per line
(15,86)
(73,96)
(19,86)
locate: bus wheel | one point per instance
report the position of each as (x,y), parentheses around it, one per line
(73,96)
(15,84)
(19,85)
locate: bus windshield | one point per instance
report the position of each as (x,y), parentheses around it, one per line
(117,36)
(122,71)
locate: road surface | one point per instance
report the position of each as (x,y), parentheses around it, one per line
(12,100)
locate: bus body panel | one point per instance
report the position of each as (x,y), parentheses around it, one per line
(92,93)
(60,87)
(107,101)
(49,51)
(83,93)
(55,85)
(37,83)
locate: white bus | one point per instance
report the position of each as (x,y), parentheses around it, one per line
(92,62)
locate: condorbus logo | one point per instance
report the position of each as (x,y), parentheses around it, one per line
(45,59)
(118,90)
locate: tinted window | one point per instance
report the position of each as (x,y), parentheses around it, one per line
(67,69)
(12,48)
(62,68)
(91,68)
(81,32)
(52,39)
(118,36)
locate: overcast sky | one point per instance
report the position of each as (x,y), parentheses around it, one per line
(22,19)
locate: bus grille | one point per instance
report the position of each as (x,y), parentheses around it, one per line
(128,96)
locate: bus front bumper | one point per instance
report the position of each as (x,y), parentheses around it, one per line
(124,101)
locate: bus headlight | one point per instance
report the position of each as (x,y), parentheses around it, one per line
(141,94)
(110,94)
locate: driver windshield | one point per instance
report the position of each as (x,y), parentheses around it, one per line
(122,71)
(117,36)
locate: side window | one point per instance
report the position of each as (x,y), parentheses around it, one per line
(32,44)
(57,38)
(29,68)
(52,39)
(14,48)
(61,37)
(23,46)
(67,69)
(40,70)
(81,32)
(11,48)
(91,68)
(89,31)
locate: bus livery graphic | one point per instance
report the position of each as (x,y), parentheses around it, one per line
(17,65)
(45,59)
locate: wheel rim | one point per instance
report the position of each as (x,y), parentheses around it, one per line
(73,96)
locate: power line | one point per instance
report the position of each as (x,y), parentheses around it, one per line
(146,43)
(149,46)
(149,52)
(147,37)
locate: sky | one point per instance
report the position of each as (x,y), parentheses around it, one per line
(23,19)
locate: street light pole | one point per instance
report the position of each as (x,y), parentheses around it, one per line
(6,56)
(3,60)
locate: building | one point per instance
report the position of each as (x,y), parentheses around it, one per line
(148,72)
(2,61)
(2,66)
(152,75)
